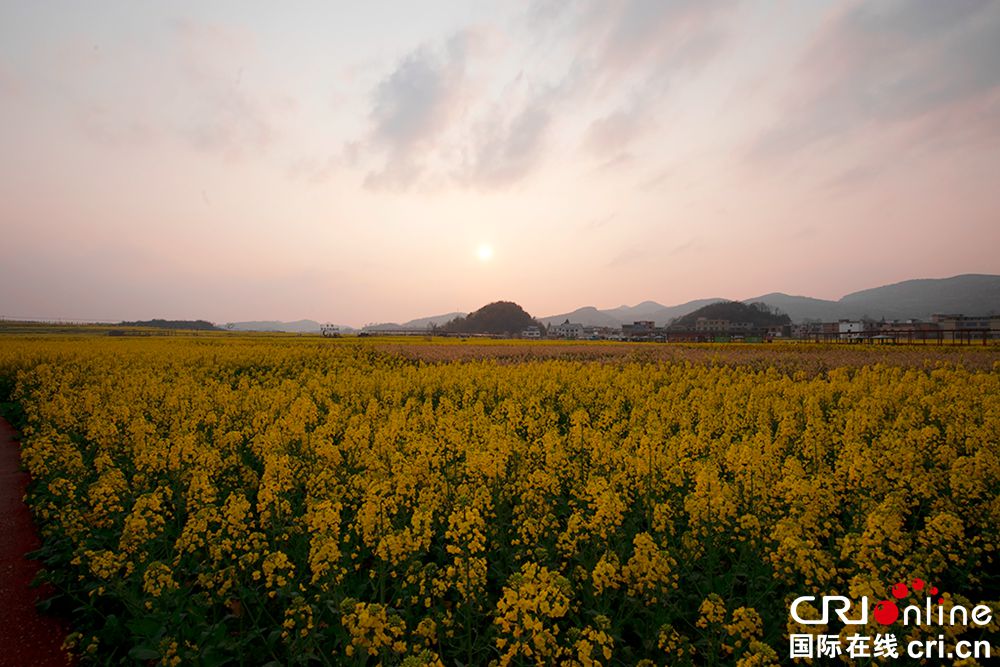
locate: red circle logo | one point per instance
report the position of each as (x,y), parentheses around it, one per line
(886,612)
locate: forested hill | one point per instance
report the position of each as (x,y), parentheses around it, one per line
(757,314)
(197,325)
(500,317)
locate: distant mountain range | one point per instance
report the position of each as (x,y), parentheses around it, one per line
(419,323)
(615,317)
(299,326)
(190,325)
(971,294)
(312,326)
(756,316)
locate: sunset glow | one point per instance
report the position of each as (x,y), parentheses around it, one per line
(192,160)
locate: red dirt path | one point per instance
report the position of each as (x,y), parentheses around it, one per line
(27,638)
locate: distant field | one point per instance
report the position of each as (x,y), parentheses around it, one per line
(804,355)
(239,499)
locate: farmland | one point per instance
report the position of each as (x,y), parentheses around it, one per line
(245,499)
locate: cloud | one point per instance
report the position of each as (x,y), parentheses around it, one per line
(11,86)
(415,102)
(412,107)
(224,118)
(631,33)
(107,127)
(880,64)
(692,244)
(198,83)
(610,136)
(637,255)
(225,110)
(629,257)
(631,54)
(639,44)
(852,178)
(597,223)
(506,148)
(430,123)
(659,179)
(434,118)
(315,170)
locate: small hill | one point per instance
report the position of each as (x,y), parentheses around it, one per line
(588,316)
(299,326)
(664,314)
(640,311)
(189,325)
(801,308)
(383,326)
(970,294)
(500,317)
(757,314)
(615,317)
(433,321)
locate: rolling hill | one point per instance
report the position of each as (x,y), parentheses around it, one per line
(757,314)
(499,317)
(615,317)
(419,323)
(587,316)
(801,308)
(298,326)
(970,294)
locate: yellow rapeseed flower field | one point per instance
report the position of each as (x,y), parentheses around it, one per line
(245,500)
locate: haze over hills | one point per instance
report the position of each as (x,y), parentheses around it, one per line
(615,317)
(499,317)
(801,308)
(588,316)
(190,325)
(298,326)
(970,294)
(757,315)
(419,323)
(641,311)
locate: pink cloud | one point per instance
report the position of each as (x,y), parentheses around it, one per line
(873,66)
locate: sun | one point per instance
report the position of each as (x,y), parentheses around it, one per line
(484,252)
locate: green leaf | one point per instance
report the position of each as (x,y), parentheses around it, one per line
(144,653)
(145,627)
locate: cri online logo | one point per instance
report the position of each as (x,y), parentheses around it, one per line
(887,612)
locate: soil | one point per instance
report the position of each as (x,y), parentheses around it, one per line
(27,637)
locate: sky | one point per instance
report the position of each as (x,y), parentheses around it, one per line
(359,162)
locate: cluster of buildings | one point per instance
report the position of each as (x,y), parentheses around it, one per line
(941,328)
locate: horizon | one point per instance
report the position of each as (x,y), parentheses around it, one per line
(389,321)
(388,163)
